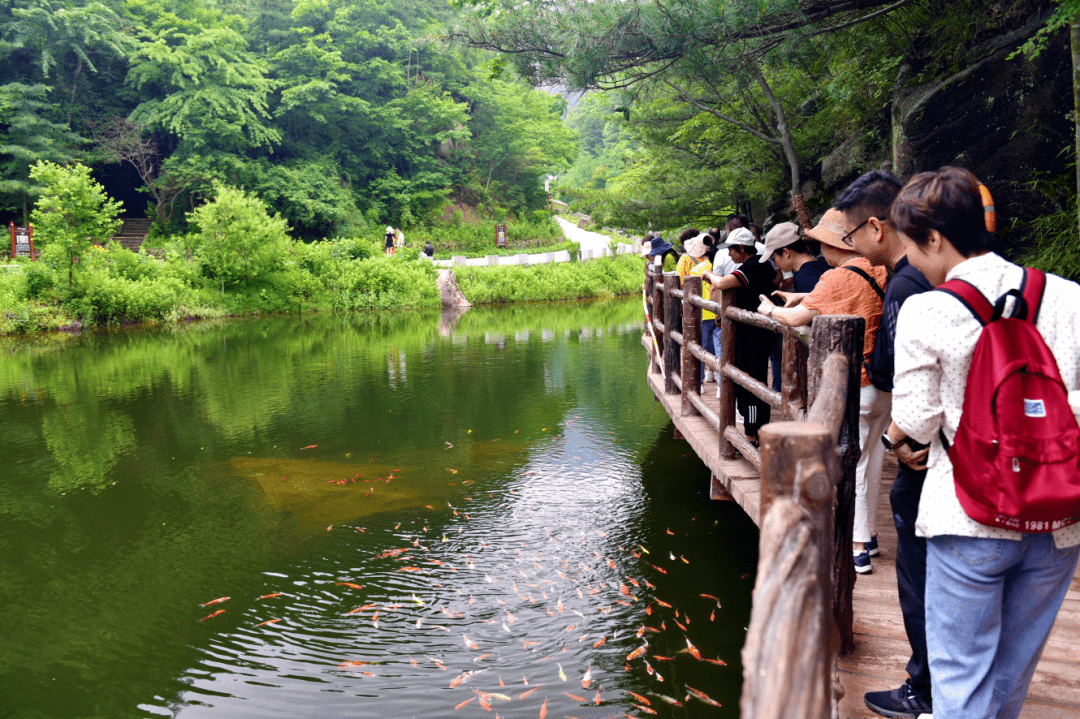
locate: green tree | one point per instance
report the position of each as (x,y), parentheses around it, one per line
(72,211)
(237,241)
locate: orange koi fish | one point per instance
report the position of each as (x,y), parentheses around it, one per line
(680,625)
(363,608)
(640,698)
(349,663)
(639,652)
(662,604)
(718,662)
(527,644)
(633,581)
(211,616)
(587,679)
(712,617)
(575,696)
(482,657)
(464,703)
(484,702)
(418,570)
(510,618)
(269,596)
(624,590)
(543,709)
(709,596)
(701,696)
(350,585)
(269,621)
(647,710)
(597,698)
(599,643)
(659,658)
(310,446)
(219,600)
(469,643)
(501,682)
(525,694)
(560,606)
(456,681)
(693,651)
(648,610)
(649,584)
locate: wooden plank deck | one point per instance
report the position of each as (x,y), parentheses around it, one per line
(881,648)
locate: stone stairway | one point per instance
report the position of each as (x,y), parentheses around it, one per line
(133,232)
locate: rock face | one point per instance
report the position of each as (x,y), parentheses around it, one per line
(1008,121)
(450,295)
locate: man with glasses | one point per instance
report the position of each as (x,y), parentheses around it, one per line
(853,287)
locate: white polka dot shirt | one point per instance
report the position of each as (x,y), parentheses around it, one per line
(935,340)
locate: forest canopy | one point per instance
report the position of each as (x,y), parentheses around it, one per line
(339,114)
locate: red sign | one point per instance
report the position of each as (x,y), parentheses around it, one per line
(22,241)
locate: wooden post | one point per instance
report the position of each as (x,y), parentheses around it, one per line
(691,329)
(842,333)
(793,374)
(726,411)
(672,323)
(650,295)
(658,313)
(791,640)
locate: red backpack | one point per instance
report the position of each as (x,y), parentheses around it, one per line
(1016,454)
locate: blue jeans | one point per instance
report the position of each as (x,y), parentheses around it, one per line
(710,340)
(990,604)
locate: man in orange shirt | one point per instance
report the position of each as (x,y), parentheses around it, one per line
(854,287)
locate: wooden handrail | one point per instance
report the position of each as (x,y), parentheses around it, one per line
(819,383)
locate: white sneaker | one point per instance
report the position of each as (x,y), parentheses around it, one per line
(709,376)
(718,391)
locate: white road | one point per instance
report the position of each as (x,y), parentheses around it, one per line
(588,240)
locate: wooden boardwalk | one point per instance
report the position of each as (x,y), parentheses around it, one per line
(881,648)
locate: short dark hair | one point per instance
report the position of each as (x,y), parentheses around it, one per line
(755,229)
(869,196)
(799,247)
(947,201)
(687,234)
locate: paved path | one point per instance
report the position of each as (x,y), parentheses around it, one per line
(592,244)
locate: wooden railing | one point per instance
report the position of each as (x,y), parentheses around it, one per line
(807,467)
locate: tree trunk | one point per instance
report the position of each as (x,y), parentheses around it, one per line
(1074,42)
(783,130)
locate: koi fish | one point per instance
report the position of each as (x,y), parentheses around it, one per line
(211,616)
(717,662)
(464,703)
(363,608)
(673,702)
(269,596)
(483,657)
(709,596)
(310,446)
(647,710)
(219,600)
(510,618)
(469,643)
(648,610)
(562,674)
(349,663)
(350,585)
(587,679)
(662,604)
(625,604)
(712,617)
(485,703)
(575,696)
(701,696)
(453,471)
(456,681)
(639,652)
(599,643)
(560,606)
(525,694)
(693,650)
(597,698)
(418,570)
(543,709)
(680,625)
(640,698)
(527,644)
(659,569)
(269,621)
(500,697)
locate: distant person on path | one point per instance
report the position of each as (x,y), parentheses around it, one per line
(750,279)
(429,250)
(854,287)
(865,205)
(991,593)
(400,239)
(389,240)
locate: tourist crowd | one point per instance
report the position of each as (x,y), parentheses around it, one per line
(978,594)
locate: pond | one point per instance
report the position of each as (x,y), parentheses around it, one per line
(395,515)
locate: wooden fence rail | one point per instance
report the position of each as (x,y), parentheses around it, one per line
(817,404)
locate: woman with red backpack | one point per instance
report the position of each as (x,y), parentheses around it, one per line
(1002,492)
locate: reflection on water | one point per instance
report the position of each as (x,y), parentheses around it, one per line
(407,513)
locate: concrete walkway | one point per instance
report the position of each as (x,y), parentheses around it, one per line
(592,245)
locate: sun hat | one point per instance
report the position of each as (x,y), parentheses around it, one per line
(739,236)
(695,246)
(659,247)
(779,237)
(830,230)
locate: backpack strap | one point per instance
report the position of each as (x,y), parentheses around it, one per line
(1032,287)
(862,273)
(971,298)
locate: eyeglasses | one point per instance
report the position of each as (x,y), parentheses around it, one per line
(847,239)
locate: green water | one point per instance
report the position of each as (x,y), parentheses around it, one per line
(514,455)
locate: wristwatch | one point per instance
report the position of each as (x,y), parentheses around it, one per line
(889,444)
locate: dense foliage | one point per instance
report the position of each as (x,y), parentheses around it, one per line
(341,115)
